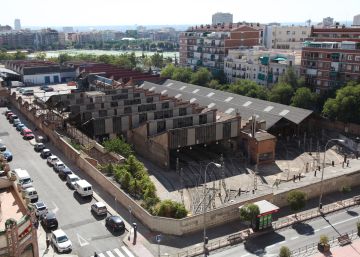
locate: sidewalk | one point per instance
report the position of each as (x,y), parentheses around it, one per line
(350,250)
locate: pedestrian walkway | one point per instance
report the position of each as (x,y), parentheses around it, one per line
(351,250)
(116,252)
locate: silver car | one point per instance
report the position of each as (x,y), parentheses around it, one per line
(71,180)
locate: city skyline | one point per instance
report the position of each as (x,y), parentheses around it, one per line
(159,12)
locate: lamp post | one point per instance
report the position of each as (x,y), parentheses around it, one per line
(131,223)
(323,167)
(217,165)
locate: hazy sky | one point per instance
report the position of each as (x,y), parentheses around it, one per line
(167,12)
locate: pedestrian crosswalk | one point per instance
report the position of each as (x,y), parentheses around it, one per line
(124,252)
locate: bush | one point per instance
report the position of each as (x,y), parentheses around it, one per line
(297,200)
(76,145)
(324,240)
(284,252)
(346,189)
(119,146)
(170,209)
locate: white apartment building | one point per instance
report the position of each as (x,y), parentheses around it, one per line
(220,17)
(285,37)
(260,65)
(356,21)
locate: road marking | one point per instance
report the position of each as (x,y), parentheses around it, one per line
(117,251)
(101,255)
(245,255)
(82,241)
(127,251)
(294,237)
(55,210)
(317,230)
(110,253)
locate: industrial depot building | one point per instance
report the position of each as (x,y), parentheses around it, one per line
(162,119)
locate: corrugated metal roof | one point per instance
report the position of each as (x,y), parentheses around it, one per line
(231,103)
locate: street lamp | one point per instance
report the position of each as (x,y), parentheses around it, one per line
(131,223)
(217,165)
(323,167)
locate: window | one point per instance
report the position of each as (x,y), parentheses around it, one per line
(357,58)
(113,104)
(161,126)
(303,32)
(142,117)
(182,111)
(348,67)
(288,32)
(165,105)
(293,32)
(102,113)
(149,99)
(127,109)
(203,119)
(356,68)
(349,57)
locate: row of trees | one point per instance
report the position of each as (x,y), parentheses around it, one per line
(18,55)
(135,180)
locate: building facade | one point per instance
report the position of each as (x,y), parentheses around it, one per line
(356,21)
(17,24)
(285,37)
(335,34)
(220,18)
(207,46)
(327,65)
(260,65)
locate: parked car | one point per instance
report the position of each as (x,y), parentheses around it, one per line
(45,153)
(28,92)
(29,136)
(115,223)
(61,241)
(49,221)
(31,194)
(9,114)
(40,208)
(8,155)
(7,111)
(2,147)
(16,122)
(25,131)
(47,88)
(22,90)
(20,126)
(99,208)
(63,173)
(39,147)
(59,165)
(71,180)
(12,118)
(51,160)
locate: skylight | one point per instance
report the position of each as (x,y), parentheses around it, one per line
(210,94)
(268,108)
(229,99)
(284,112)
(230,110)
(211,105)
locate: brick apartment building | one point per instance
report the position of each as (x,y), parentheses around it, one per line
(207,45)
(335,34)
(327,65)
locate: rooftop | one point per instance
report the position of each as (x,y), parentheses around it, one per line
(11,206)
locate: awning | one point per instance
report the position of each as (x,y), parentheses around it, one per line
(279,59)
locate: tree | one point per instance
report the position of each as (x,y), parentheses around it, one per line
(119,146)
(182,74)
(296,200)
(284,252)
(171,209)
(304,98)
(64,58)
(281,93)
(157,60)
(214,84)
(346,105)
(201,77)
(290,77)
(249,88)
(40,56)
(19,55)
(248,212)
(168,71)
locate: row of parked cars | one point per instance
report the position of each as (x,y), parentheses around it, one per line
(14,119)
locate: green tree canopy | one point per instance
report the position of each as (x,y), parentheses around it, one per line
(118,145)
(171,209)
(281,93)
(157,60)
(249,88)
(201,77)
(296,200)
(168,71)
(248,212)
(290,77)
(284,252)
(345,106)
(182,74)
(304,98)
(214,84)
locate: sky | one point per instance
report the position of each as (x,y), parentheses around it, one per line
(166,12)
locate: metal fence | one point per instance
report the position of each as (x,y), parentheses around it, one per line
(311,249)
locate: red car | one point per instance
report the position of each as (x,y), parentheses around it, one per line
(28,136)
(26,131)
(8,115)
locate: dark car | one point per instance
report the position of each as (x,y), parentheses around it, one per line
(45,153)
(63,173)
(115,223)
(47,88)
(12,118)
(39,147)
(7,111)
(9,114)
(2,147)
(29,136)
(7,155)
(49,221)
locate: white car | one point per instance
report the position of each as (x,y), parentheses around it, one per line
(60,241)
(40,208)
(99,208)
(51,160)
(58,166)
(31,194)
(71,180)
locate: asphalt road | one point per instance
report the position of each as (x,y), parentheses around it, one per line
(87,233)
(300,235)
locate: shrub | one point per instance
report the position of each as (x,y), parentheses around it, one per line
(76,145)
(297,200)
(324,240)
(119,146)
(284,252)
(346,189)
(171,209)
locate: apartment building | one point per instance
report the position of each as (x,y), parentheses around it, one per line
(335,34)
(220,18)
(260,65)
(207,45)
(327,65)
(285,37)
(356,21)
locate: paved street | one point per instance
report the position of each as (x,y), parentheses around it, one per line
(299,235)
(87,233)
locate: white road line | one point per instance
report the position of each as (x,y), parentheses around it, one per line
(110,253)
(127,251)
(317,230)
(101,255)
(294,237)
(245,255)
(117,251)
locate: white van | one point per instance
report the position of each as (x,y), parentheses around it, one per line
(31,194)
(23,178)
(83,188)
